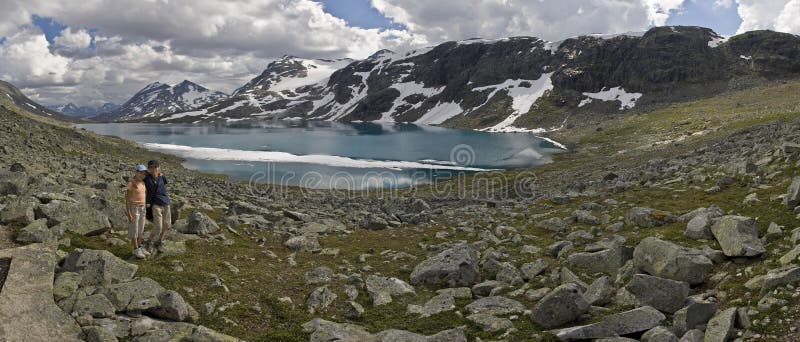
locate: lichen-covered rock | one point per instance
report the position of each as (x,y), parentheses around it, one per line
(668,260)
(647,217)
(666,295)
(738,236)
(720,327)
(98,267)
(562,305)
(792,199)
(624,323)
(381,289)
(457,266)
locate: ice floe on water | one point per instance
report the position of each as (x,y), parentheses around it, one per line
(211,153)
(627,100)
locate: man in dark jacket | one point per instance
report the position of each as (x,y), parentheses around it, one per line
(158,201)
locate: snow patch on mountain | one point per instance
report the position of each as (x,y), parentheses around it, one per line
(523,93)
(407,89)
(440,113)
(627,100)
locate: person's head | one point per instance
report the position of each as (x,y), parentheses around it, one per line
(154,167)
(139,172)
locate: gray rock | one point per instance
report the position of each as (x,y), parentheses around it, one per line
(96,333)
(668,260)
(483,289)
(319,275)
(699,227)
(438,304)
(720,327)
(296,215)
(532,269)
(65,284)
(607,261)
(374,222)
(454,267)
(171,306)
(381,289)
(509,274)
(666,295)
(647,217)
(659,334)
(19,211)
(624,323)
(326,331)
(495,305)
(200,224)
(97,306)
(12,183)
(303,243)
(75,217)
(35,232)
(487,322)
(353,310)
(562,305)
(693,335)
(138,295)
(320,299)
(98,267)
(554,224)
(792,256)
(792,199)
(786,275)
(600,292)
(556,248)
(738,236)
(585,217)
(692,316)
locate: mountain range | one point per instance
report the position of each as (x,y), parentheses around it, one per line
(160,98)
(74,110)
(512,84)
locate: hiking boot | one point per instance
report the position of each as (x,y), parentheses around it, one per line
(145,251)
(138,253)
(159,246)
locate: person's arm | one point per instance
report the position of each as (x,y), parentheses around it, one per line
(128,201)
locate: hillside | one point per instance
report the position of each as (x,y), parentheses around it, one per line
(679,220)
(11,96)
(524,83)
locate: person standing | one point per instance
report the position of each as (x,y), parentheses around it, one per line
(135,200)
(158,204)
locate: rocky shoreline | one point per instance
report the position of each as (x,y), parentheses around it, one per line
(690,242)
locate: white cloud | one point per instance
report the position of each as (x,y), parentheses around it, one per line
(77,39)
(27,61)
(658,11)
(723,3)
(779,15)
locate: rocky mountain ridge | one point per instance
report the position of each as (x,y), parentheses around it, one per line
(525,83)
(74,110)
(159,98)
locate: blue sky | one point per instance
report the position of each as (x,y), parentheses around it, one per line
(359,13)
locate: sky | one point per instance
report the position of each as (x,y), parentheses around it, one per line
(93,51)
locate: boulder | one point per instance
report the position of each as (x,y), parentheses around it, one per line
(668,260)
(320,299)
(792,199)
(600,292)
(699,227)
(692,316)
(171,306)
(381,289)
(666,295)
(720,327)
(624,323)
(19,211)
(303,243)
(487,322)
(509,274)
(138,295)
(607,261)
(659,334)
(495,305)
(97,306)
(647,217)
(325,331)
(37,231)
(454,267)
(319,275)
(786,275)
(98,267)
(12,183)
(585,217)
(562,305)
(738,236)
(200,224)
(533,269)
(553,224)
(439,303)
(77,217)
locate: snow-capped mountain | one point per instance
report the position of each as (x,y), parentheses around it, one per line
(518,83)
(11,95)
(73,110)
(161,98)
(289,73)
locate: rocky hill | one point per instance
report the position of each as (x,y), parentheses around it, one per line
(524,82)
(678,222)
(159,98)
(11,96)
